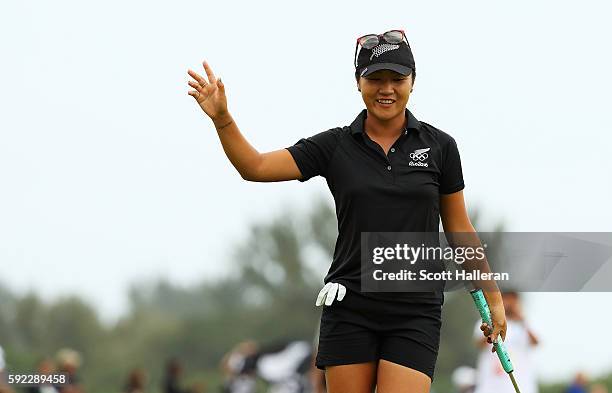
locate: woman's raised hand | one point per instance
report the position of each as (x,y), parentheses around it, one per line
(209,94)
(276,165)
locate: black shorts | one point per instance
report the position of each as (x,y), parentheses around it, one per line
(361,329)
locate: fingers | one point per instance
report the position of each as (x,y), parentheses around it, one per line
(196,86)
(486,329)
(201,80)
(203,87)
(322,294)
(341,292)
(331,295)
(492,334)
(496,333)
(211,76)
(220,85)
(330,292)
(198,93)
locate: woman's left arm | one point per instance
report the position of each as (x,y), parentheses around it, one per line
(456,220)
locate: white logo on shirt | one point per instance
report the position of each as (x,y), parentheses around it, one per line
(419,155)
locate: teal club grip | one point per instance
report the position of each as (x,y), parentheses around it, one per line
(485,314)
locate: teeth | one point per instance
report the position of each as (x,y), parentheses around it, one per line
(385,101)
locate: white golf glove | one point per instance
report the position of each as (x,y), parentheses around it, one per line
(329,292)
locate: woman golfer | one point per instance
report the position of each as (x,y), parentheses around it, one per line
(387,172)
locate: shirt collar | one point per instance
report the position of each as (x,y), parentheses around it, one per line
(358,124)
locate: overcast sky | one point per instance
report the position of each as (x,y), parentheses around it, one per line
(110,173)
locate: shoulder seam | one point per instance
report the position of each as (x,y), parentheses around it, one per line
(340,136)
(445,135)
(429,126)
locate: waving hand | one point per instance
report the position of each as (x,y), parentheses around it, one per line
(209,94)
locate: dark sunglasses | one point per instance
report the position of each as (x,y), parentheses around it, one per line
(369,41)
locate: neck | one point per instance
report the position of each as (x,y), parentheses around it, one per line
(389,127)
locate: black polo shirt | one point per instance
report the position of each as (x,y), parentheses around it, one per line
(374,192)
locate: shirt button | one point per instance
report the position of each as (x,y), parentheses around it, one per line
(389,168)
(393,150)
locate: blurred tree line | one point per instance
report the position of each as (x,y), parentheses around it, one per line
(268,295)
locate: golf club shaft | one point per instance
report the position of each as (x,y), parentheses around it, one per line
(516,388)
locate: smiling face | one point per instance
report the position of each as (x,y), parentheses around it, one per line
(385,93)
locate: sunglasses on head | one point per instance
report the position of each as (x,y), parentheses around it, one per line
(369,41)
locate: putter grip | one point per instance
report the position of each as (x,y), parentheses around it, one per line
(485,314)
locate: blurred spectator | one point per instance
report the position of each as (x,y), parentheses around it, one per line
(198,388)
(174,370)
(135,382)
(520,340)
(599,388)
(69,362)
(238,367)
(285,366)
(464,379)
(316,377)
(45,367)
(579,385)
(2,367)
(3,386)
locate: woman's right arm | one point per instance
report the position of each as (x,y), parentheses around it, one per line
(276,165)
